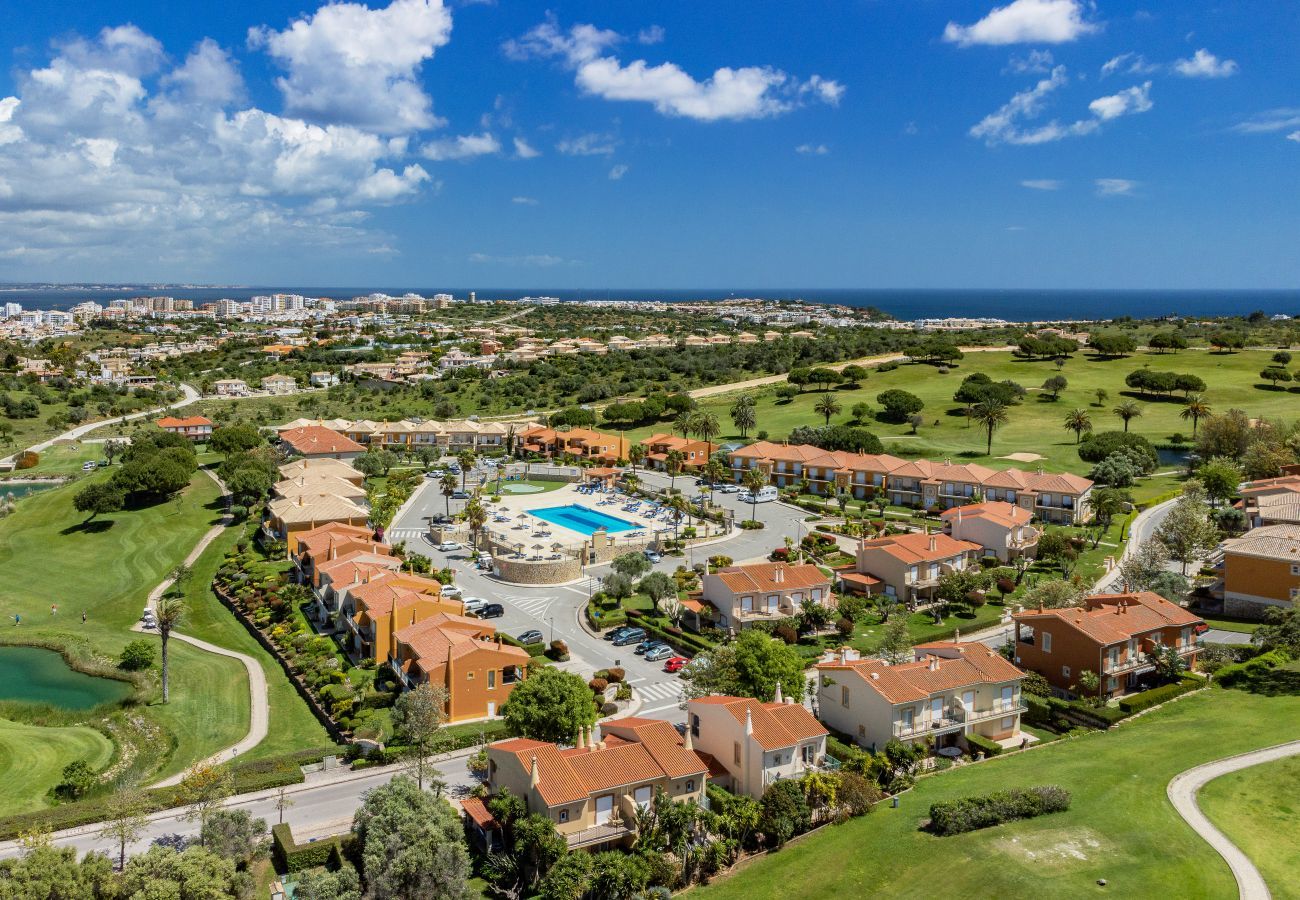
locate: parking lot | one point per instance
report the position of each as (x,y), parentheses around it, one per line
(555,610)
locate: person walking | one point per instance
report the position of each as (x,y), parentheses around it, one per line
(54,608)
(83,617)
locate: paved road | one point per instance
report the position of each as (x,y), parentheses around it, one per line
(1140,531)
(323,804)
(72,434)
(1182,792)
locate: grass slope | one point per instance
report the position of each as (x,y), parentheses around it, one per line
(1120,826)
(1036,423)
(32,760)
(1259,809)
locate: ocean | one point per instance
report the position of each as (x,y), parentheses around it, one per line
(905,304)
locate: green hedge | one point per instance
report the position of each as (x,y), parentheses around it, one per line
(980,742)
(971,813)
(1038,711)
(535,649)
(680,641)
(1147,699)
(1250,674)
(294,857)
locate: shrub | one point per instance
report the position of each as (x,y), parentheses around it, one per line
(615,675)
(786,633)
(845,627)
(1037,710)
(27,459)
(1006,586)
(559,651)
(979,742)
(598,685)
(1101,444)
(972,813)
(609,709)
(1147,699)
(624,692)
(294,857)
(751,525)
(137,655)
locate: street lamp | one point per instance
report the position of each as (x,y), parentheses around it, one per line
(551,619)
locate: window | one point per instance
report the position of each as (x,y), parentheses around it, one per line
(1295,568)
(735,752)
(492,679)
(695,726)
(747,604)
(1047,642)
(1112,683)
(1065,671)
(564,816)
(469,676)
(844,696)
(817,595)
(690,785)
(1007,722)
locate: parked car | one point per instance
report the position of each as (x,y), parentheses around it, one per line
(447,546)
(474,604)
(618,632)
(645,645)
(451,591)
(1201,628)
(532,636)
(148,620)
(764,495)
(86,467)
(631,636)
(729,489)
(653,556)
(460,495)
(675,663)
(658,652)
(491,611)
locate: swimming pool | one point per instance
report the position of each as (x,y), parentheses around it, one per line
(582,519)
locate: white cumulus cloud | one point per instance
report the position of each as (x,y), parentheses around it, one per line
(465,146)
(525,150)
(351,65)
(749,92)
(1136,99)
(1269,121)
(1035,62)
(812,149)
(1041,184)
(524,201)
(590,144)
(1204,64)
(617,173)
(1025,22)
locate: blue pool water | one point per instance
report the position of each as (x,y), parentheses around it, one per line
(583,520)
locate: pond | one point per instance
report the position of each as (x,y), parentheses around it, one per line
(19,490)
(37,675)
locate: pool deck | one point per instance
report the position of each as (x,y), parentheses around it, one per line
(514,505)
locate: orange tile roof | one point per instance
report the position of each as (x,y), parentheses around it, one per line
(914,681)
(1115,618)
(310,439)
(661,741)
(772,576)
(190,422)
(776,725)
(445,635)
(1007,515)
(477,810)
(915,547)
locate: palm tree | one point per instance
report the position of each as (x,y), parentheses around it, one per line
(476,518)
(673,461)
(707,427)
(992,415)
(636,455)
(1128,409)
(1195,409)
(683,422)
(465,459)
(447,487)
(754,480)
(715,471)
(682,507)
(168,612)
(1078,421)
(743,414)
(827,406)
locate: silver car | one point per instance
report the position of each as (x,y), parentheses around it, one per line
(658,652)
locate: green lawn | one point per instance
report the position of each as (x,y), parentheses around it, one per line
(1236,625)
(1036,424)
(1120,826)
(32,760)
(64,458)
(1259,809)
(293,727)
(48,555)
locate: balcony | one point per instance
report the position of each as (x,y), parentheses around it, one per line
(952,719)
(599,834)
(996,711)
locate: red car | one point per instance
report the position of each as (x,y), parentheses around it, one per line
(675,663)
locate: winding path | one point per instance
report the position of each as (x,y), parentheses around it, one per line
(1182,792)
(259,705)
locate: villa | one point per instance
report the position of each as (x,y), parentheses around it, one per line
(1261,570)
(327,543)
(331,579)
(592,791)
(318,442)
(909,566)
(1003,530)
(949,691)
(230,387)
(312,468)
(1272,501)
(1111,635)
(580,442)
(373,611)
(695,454)
(464,655)
(763,592)
(751,745)
(196,428)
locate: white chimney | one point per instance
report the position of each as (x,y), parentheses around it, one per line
(778,698)
(749,722)
(533,778)
(688,744)
(934,544)
(934,664)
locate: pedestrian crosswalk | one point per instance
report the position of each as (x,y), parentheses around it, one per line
(398,535)
(533,607)
(659,690)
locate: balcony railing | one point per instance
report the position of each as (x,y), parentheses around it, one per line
(996,711)
(599,834)
(954,717)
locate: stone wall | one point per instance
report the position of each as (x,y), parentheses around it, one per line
(523,571)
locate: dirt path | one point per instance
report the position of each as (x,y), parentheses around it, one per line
(1182,792)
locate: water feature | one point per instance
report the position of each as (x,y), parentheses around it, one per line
(37,675)
(582,519)
(20,489)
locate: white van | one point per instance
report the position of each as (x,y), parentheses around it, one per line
(765,495)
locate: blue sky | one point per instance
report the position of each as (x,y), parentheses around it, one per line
(862,143)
